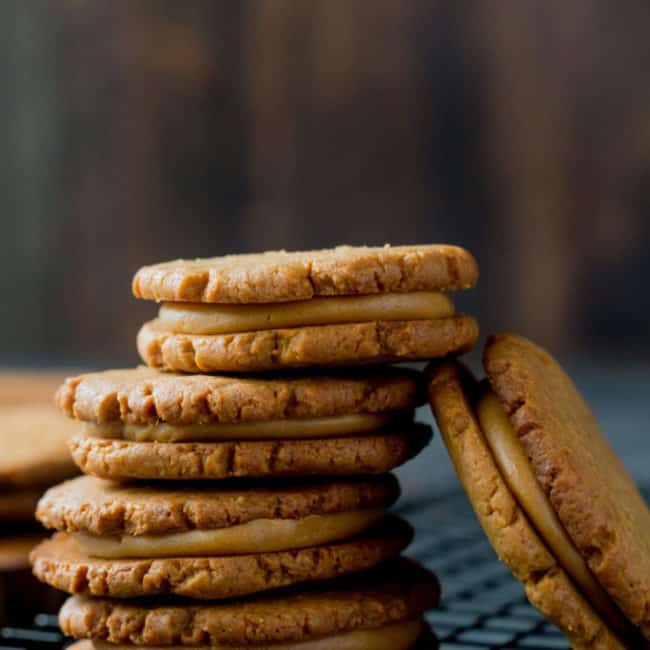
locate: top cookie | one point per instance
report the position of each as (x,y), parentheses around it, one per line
(145,395)
(33,442)
(280,276)
(594,497)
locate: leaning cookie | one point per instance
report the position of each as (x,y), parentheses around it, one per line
(539,474)
(340,307)
(146,424)
(382,610)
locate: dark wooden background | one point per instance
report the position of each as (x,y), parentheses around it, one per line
(137,131)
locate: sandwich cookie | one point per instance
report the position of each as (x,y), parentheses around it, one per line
(146,424)
(554,500)
(382,610)
(114,520)
(126,542)
(34,456)
(60,563)
(344,306)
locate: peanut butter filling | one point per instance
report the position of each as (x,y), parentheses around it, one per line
(257,536)
(399,636)
(325,427)
(518,474)
(194,318)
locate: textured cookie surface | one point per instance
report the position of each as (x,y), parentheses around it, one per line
(517,544)
(345,456)
(60,563)
(279,276)
(98,507)
(396,593)
(594,497)
(144,395)
(33,443)
(303,347)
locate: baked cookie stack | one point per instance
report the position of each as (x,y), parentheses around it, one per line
(33,452)
(33,457)
(249,510)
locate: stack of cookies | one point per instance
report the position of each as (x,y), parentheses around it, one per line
(249,510)
(33,457)
(33,453)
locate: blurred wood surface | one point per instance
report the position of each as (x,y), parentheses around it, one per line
(143,131)
(30,387)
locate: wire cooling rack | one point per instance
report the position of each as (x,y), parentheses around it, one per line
(482,606)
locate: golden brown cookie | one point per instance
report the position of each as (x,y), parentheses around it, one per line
(594,497)
(33,443)
(90,505)
(279,276)
(344,344)
(60,563)
(547,586)
(343,456)
(395,594)
(144,395)
(453,393)
(148,398)
(345,321)
(34,455)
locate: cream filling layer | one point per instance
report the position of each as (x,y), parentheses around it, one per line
(399,636)
(198,318)
(518,474)
(326,427)
(257,536)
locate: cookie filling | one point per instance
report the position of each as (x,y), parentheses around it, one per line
(194,318)
(325,427)
(399,636)
(257,536)
(518,474)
